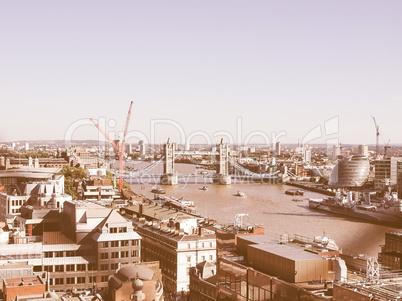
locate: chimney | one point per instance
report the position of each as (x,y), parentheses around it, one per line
(200,231)
(140,210)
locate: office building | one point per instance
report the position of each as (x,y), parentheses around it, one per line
(363,150)
(386,173)
(353,171)
(278,148)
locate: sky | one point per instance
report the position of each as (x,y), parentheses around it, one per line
(247,71)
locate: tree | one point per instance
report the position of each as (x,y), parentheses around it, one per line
(70,175)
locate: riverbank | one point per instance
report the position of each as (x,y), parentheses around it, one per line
(311,188)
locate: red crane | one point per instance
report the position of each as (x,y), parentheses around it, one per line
(117,147)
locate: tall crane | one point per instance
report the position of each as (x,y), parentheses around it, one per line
(386,147)
(118,147)
(377,136)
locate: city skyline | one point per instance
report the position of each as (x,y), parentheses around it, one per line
(279,67)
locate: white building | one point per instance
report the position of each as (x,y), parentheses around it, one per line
(363,150)
(178,245)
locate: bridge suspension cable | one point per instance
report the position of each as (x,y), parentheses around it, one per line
(248,172)
(147,169)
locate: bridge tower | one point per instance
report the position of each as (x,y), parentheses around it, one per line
(222,176)
(169,177)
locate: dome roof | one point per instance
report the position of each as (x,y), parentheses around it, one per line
(132,272)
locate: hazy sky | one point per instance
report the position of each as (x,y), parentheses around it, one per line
(275,65)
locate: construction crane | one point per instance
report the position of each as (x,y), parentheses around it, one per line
(117,147)
(377,136)
(386,147)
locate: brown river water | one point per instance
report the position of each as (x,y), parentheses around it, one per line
(267,204)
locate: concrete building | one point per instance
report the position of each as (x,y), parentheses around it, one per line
(386,173)
(307,155)
(175,239)
(267,269)
(203,282)
(336,151)
(25,286)
(363,150)
(278,148)
(124,284)
(142,148)
(36,186)
(83,158)
(98,189)
(79,247)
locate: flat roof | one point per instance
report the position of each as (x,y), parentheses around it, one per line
(291,252)
(258,239)
(158,212)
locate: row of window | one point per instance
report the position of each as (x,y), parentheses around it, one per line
(201,245)
(76,280)
(67,268)
(113,266)
(121,254)
(68,253)
(17,202)
(118,230)
(210,257)
(122,243)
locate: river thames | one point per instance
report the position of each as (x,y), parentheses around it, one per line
(268,205)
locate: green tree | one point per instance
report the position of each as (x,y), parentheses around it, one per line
(70,175)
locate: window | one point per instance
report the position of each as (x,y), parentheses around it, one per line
(49,268)
(124,243)
(122,229)
(203,245)
(135,253)
(210,244)
(105,244)
(69,267)
(210,257)
(104,255)
(188,258)
(59,268)
(70,280)
(48,254)
(113,230)
(124,254)
(202,258)
(114,266)
(59,281)
(58,254)
(92,279)
(70,253)
(135,242)
(188,246)
(80,267)
(114,244)
(80,279)
(115,254)
(104,267)
(104,278)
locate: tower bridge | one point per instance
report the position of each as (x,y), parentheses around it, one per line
(221,176)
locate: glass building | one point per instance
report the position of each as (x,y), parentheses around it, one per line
(352,171)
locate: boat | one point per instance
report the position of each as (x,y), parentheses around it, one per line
(240,194)
(386,210)
(204,188)
(158,190)
(294,192)
(297,200)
